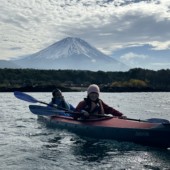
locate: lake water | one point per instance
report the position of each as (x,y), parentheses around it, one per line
(27,144)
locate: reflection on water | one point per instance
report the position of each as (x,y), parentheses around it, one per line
(106,153)
(90,150)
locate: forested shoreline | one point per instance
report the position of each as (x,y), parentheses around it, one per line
(134,80)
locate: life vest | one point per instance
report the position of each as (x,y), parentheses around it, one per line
(60,103)
(95,107)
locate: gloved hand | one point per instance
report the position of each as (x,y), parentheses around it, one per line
(85,114)
(122,117)
(55,106)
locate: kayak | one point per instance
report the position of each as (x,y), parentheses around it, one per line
(131,130)
(152,132)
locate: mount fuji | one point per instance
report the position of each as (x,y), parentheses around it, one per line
(71,53)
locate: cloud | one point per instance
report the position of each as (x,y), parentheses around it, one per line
(133,59)
(145,61)
(29,26)
(156,45)
(132,56)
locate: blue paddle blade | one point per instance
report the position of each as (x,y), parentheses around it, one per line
(47,111)
(157,120)
(25,97)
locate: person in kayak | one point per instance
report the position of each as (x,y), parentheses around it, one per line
(93,106)
(59,101)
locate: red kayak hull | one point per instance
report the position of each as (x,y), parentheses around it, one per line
(145,133)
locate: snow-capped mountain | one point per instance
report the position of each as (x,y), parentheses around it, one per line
(71,53)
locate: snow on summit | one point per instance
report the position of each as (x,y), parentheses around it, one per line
(70,53)
(69,46)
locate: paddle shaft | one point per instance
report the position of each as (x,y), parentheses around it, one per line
(55,106)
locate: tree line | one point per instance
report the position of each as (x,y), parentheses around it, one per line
(136,79)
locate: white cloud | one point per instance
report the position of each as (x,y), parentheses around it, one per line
(160,45)
(29,26)
(132,56)
(133,59)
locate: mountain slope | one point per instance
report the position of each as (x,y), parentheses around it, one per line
(71,53)
(8,64)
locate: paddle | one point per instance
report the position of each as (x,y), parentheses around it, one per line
(28,98)
(48,111)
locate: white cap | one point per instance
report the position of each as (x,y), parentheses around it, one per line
(93,88)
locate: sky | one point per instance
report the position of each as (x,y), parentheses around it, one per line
(135,32)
